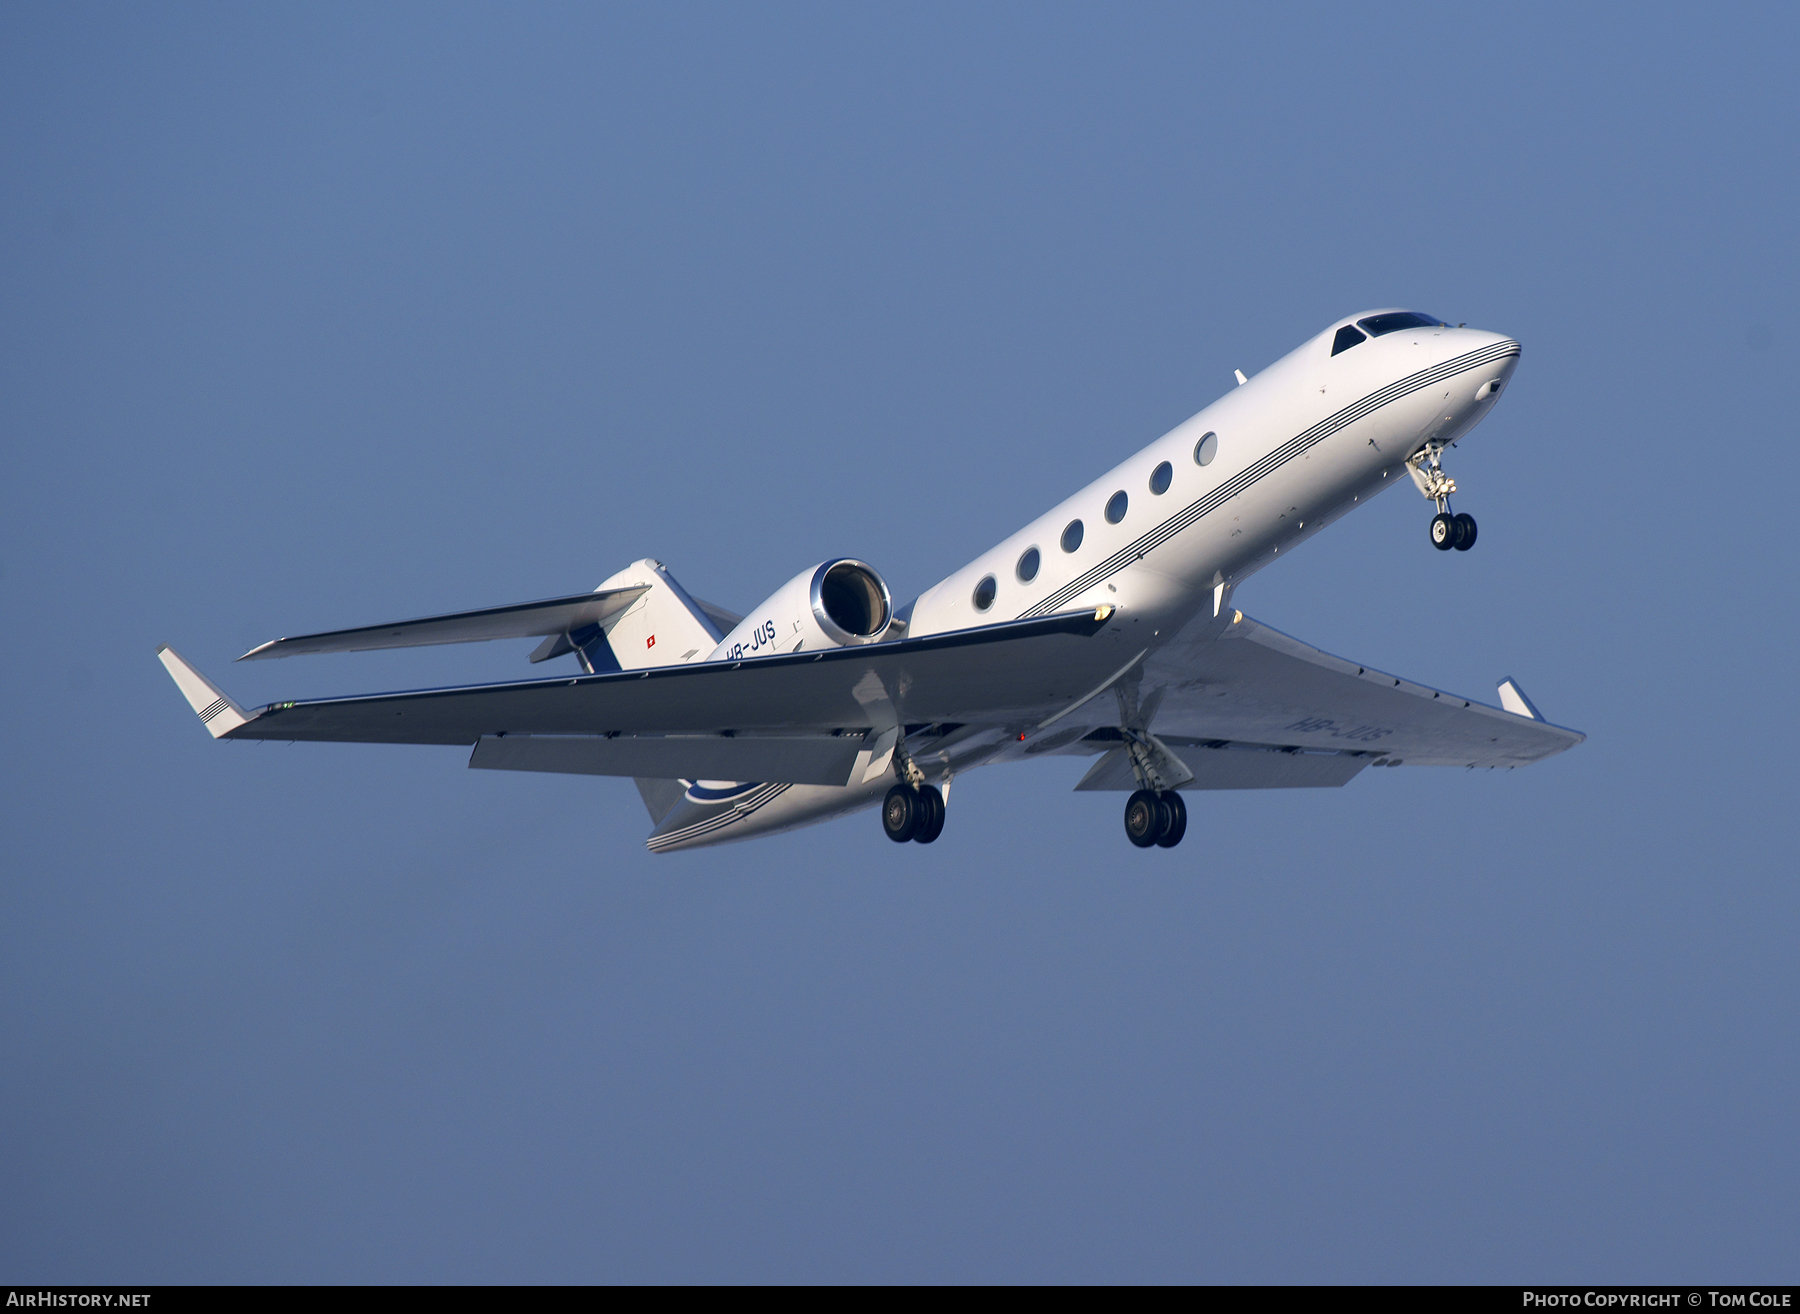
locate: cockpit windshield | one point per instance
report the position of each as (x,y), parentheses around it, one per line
(1395,320)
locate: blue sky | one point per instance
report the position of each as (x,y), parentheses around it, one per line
(321,316)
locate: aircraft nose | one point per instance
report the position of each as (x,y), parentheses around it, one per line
(1495,372)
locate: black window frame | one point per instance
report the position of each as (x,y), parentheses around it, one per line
(992,586)
(1398,321)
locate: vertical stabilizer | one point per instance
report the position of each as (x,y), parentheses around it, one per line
(665,627)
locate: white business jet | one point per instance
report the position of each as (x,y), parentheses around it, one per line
(1102,629)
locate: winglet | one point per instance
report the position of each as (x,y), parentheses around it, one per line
(1513,699)
(214,707)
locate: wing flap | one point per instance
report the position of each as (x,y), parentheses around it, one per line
(1238,766)
(787,759)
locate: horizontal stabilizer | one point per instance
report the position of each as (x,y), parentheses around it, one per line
(723,617)
(211,704)
(519,621)
(787,759)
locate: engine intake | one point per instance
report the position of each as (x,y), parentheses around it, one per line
(836,604)
(851,602)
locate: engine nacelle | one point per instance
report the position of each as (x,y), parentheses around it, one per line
(834,605)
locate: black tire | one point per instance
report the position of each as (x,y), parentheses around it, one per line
(901,813)
(1465,531)
(1177,827)
(1144,818)
(931,824)
(1443,531)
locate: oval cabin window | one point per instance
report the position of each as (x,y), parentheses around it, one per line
(1206,449)
(984,593)
(1028,565)
(1071,536)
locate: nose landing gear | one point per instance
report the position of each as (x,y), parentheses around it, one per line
(1447,531)
(1453,531)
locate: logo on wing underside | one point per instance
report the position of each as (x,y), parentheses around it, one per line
(716,791)
(1362,734)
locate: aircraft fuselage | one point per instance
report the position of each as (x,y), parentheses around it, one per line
(1167,534)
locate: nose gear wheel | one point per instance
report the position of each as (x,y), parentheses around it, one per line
(1447,530)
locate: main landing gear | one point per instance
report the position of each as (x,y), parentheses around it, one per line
(1447,531)
(1155,818)
(912,810)
(909,813)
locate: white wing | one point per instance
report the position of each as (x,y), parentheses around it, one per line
(1241,705)
(1254,684)
(801,718)
(1244,706)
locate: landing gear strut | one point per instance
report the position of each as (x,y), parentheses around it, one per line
(1447,531)
(1154,814)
